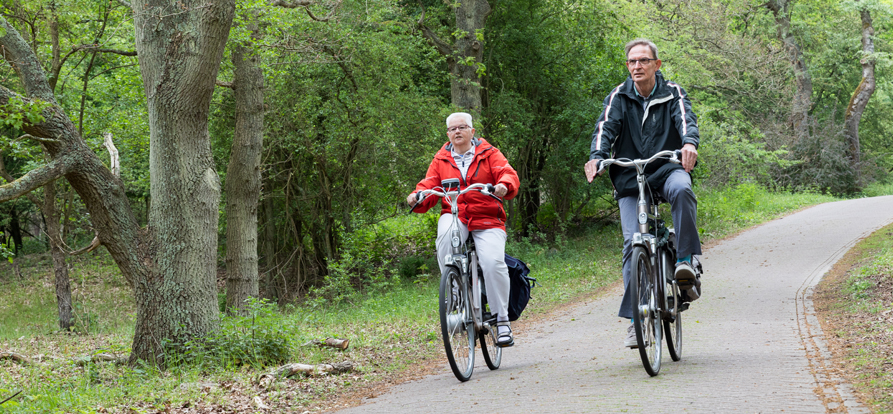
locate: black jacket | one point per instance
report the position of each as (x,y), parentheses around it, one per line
(627,129)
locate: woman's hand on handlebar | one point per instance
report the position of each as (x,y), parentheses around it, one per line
(500,190)
(411,198)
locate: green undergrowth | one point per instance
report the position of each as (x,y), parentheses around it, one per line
(390,318)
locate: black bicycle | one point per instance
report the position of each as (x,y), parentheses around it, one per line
(464,315)
(658,303)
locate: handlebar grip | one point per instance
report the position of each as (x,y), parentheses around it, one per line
(418,196)
(678,154)
(490,188)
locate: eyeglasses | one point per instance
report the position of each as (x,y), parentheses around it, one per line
(643,62)
(457,128)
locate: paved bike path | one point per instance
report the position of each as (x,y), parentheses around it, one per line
(751,344)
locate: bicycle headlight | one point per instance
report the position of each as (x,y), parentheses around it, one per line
(455,242)
(643,218)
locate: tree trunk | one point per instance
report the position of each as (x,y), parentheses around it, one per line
(60,265)
(465,87)
(802,101)
(863,92)
(172,266)
(180,54)
(466,56)
(243,181)
(269,247)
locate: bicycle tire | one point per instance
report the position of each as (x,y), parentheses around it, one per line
(492,353)
(646,315)
(456,325)
(673,328)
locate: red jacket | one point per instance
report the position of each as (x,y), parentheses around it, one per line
(489,166)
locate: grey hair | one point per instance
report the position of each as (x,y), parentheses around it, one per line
(642,41)
(465,117)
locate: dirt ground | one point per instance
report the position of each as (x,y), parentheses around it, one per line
(859,330)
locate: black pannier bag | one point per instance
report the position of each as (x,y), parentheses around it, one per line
(521,283)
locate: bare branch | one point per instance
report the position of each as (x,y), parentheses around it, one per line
(8,177)
(93,245)
(305,4)
(38,139)
(291,5)
(11,397)
(442,47)
(36,178)
(95,47)
(114,164)
(224,84)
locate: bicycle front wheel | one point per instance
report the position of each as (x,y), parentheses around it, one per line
(646,315)
(456,325)
(492,353)
(673,323)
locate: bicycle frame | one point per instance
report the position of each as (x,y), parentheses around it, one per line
(462,257)
(653,235)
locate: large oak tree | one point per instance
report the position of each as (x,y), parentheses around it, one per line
(170,264)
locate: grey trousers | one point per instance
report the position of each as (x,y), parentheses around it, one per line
(490,246)
(684,209)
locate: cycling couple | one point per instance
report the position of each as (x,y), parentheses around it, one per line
(642,116)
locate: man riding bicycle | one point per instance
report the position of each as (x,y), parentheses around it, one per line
(642,116)
(474,160)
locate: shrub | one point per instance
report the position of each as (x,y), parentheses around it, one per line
(257,340)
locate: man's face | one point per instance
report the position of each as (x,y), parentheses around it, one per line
(641,71)
(459,133)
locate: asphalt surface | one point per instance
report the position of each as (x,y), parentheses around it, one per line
(751,344)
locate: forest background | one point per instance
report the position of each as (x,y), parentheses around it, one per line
(252,159)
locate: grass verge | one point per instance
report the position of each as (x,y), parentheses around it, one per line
(854,302)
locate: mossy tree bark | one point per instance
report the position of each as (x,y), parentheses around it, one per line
(862,94)
(179,54)
(243,180)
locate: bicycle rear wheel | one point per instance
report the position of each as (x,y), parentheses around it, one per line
(646,315)
(456,325)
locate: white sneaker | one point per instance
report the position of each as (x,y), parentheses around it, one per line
(630,341)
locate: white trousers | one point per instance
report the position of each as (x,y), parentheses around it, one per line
(490,247)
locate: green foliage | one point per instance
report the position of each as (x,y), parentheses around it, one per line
(418,267)
(550,66)
(257,340)
(17,112)
(732,152)
(374,258)
(6,253)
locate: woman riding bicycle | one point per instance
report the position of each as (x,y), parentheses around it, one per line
(474,160)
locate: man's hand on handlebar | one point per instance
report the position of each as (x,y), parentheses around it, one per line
(591,169)
(411,198)
(689,157)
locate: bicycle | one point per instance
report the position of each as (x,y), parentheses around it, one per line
(658,304)
(464,317)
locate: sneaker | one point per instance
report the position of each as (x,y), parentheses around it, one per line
(693,292)
(685,275)
(630,341)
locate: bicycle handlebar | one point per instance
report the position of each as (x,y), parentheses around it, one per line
(486,189)
(674,156)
